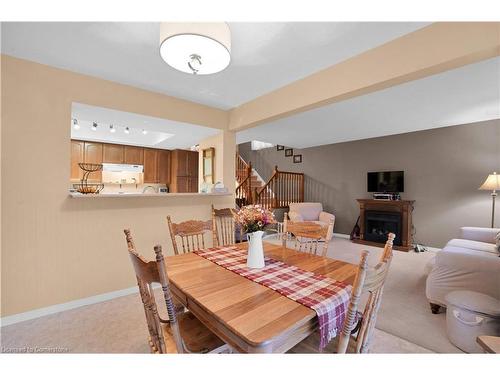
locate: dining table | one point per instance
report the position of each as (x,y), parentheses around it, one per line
(248,316)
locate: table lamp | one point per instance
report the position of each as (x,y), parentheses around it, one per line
(492,183)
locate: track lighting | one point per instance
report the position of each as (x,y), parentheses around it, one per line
(127,130)
(75,124)
(144,131)
(112,129)
(94,126)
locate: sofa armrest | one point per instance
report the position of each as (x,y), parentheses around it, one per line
(326,217)
(463,271)
(295,216)
(479,234)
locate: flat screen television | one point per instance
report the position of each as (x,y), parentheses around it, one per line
(386,182)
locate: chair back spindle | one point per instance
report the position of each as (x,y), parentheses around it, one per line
(309,237)
(371,281)
(191,234)
(225,227)
(147,273)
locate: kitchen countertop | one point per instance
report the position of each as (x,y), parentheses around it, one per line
(135,195)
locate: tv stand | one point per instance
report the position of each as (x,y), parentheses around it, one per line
(377,217)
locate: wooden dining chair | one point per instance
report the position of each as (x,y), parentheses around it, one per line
(182,332)
(191,234)
(309,237)
(225,227)
(357,329)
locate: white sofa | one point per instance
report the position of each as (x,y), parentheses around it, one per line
(471,262)
(309,211)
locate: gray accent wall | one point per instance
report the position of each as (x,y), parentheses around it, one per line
(443,169)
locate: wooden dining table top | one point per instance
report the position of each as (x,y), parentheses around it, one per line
(248,316)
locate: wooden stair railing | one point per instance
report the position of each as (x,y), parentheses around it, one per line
(243,169)
(243,190)
(282,189)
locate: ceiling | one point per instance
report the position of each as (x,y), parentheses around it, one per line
(265,56)
(460,96)
(160,133)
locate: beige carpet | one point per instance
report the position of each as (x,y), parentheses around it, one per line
(405,325)
(118,326)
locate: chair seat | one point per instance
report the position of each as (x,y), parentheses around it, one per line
(197,337)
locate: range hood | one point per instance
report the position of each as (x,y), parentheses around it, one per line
(109,167)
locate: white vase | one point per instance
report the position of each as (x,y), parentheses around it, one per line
(255,256)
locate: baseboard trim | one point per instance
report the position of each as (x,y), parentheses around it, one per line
(347,237)
(342,235)
(44,311)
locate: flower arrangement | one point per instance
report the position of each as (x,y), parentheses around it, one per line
(254,218)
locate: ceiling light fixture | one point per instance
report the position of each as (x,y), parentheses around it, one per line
(144,131)
(94,126)
(112,129)
(196,48)
(127,130)
(75,124)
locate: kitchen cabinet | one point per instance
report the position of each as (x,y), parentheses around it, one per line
(112,153)
(185,185)
(178,168)
(77,156)
(184,175)
(150,166)
(93,154)
(133,155)
(164,167)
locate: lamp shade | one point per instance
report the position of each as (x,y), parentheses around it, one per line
(196,48)
(491,183)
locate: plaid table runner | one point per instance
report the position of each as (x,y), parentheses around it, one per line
(328,297)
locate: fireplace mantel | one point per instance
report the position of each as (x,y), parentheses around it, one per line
(403,207)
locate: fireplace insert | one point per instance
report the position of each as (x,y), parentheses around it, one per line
(378,224)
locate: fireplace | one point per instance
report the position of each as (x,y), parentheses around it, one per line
(378,224)
(385,216)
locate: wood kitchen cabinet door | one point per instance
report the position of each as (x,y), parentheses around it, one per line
(182,185)
(77,156)
(134,155)
(192,163)
(193,185)
(150,166)
(112,153)
(93,154)
(164,167)
(184,171)
(180,163)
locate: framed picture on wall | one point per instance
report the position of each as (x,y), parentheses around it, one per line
(280,148)
(297,158)
(289,152)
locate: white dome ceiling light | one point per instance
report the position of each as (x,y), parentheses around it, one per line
(196,48)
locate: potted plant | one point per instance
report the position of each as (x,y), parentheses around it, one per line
(254,220)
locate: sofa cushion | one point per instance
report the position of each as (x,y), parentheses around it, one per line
(479,234)
(473,245)
(309,211)
(464,250)
(295,216)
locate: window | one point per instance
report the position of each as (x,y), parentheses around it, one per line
(258,145)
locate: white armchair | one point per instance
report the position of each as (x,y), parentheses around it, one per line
(468,263)
(310,212)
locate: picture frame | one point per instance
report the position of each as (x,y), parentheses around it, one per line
(297,158)
(288,152)
(280,147)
